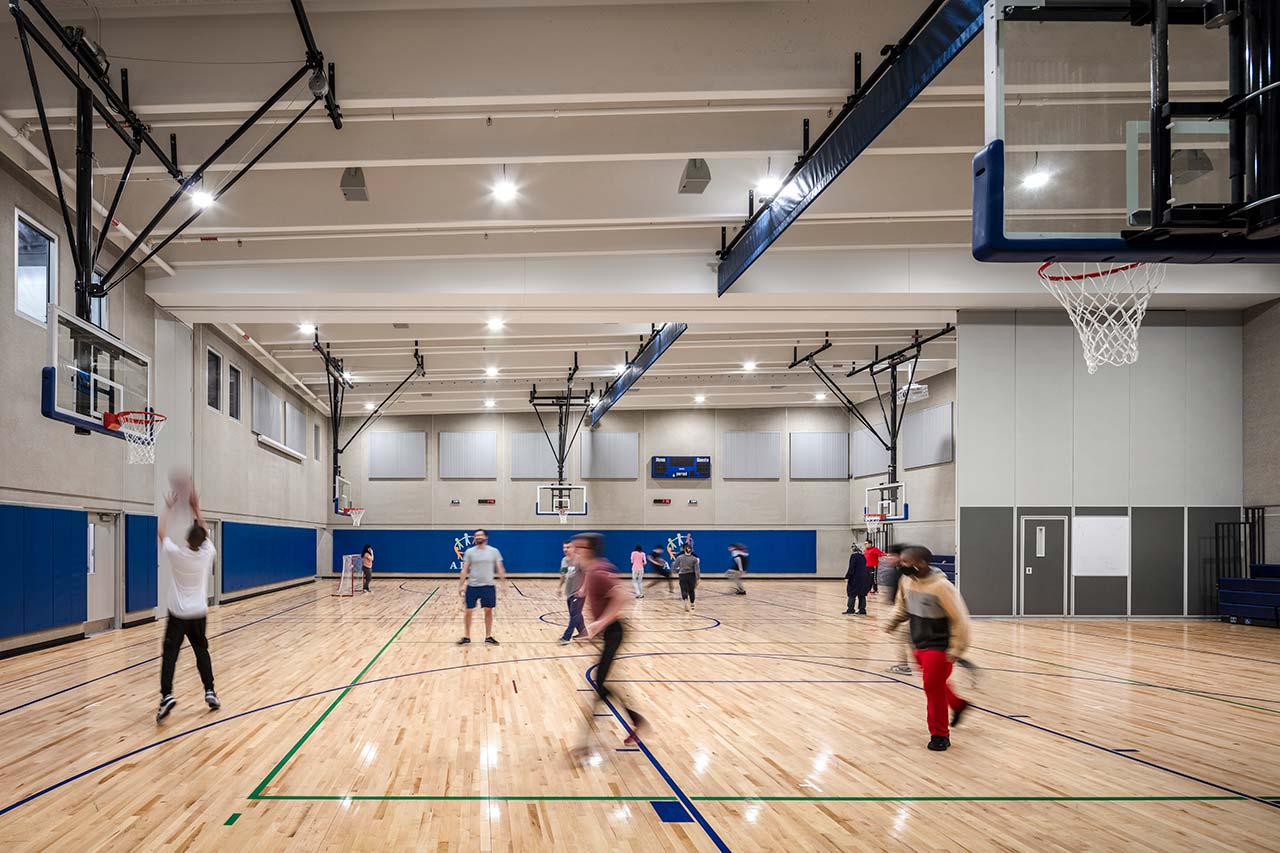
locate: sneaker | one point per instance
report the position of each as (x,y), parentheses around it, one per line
(900,669)
(490,641)
(958,713)
(564,641)
(638,725)
(641,595)
(939,744)
(848,613)
(464,641)
(862,613)
(211,699)
(166,705)
(686,606)
(693,607)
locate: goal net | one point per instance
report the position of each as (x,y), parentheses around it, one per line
(350,567)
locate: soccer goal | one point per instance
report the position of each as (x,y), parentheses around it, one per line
(350,565)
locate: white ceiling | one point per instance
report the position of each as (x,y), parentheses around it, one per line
(592,108)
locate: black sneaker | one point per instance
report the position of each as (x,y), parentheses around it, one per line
(211,699)
(490,641)
(848,613)
(958,713)
(939,744)
(464,641)
(166,705)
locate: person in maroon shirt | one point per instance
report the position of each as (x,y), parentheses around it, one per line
(606,600)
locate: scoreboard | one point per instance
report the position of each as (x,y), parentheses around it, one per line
(680,467)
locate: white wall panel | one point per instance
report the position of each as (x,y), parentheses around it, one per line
(295,428)
(1158,412)
(1101,435)
(1044,370)
(985,401)
(926,437)
(1215,406)
(268,412)
(610,455)
(870,457)
(532,457)
(1100,546)
(752,456)
(820,455)
(469,455)
(397,455)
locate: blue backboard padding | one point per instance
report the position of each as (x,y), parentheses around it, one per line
(945,35)
(642,362)
(45,583)
(255,555)
(992,245)
(528,551)
(140,563)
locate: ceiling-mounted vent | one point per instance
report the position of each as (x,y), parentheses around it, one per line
(399,325)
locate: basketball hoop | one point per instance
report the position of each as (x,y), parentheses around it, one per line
(562,510)
(357,515)
(140,430)
(1106,304)
(874,522)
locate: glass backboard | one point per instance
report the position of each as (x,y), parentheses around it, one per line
(89,372)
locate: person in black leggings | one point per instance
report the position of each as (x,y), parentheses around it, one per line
(606,600)
(688,567)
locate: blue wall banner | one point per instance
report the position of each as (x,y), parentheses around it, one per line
(44,581)
(259,554)
(537,551)
(141,553)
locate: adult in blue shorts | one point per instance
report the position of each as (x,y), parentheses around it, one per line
(480,563)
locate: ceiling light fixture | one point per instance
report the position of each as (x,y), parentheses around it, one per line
(202,199)
(489,404)
(307,328)
(491,371)
(699,398)
(369,407)
(594,400)
(820,396)
(505,190)
(769,183)
(1037,178)
(748,366)
(495,324)
(619,369)
(346,374)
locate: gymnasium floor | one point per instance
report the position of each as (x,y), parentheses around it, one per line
(358,724)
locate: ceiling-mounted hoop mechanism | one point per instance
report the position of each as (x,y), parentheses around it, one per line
(896,411)
(85,65)
(563,403)
(339,381)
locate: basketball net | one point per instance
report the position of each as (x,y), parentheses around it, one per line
(140,430)
(874,522)
(357,515)
(562,510)
(1106,304)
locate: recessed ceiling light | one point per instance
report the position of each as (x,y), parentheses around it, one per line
(202,199)
(495,324)
(491,371)
(489,404)
(748,366)
(820,396)
(1036,180)
(307,328)
(619,369)
(699,398)
(505,189)
(346,374)
(768,186)
(369,407)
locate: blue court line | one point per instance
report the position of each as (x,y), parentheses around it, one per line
(794,658)
(522,595)
(144,662)
(666,777)
(627,748)
(120,649)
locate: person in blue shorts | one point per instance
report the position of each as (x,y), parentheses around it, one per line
(480,563)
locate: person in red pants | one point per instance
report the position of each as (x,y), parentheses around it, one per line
(939,626)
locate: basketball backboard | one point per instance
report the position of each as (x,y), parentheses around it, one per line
(562,499)
(888,500)
(89,372)
(1067,172)
(342,500)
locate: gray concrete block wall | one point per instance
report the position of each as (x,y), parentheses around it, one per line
(1262,411)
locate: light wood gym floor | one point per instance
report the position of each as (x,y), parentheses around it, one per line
(356,723)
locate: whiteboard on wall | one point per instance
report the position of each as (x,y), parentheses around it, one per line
(1100,546)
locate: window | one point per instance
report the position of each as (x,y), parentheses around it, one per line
(315,436)
(215,381)
(98,306)
(233,391)
(36,278)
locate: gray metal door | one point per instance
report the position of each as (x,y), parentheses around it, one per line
(1043,569)
(101,581)
(215,581)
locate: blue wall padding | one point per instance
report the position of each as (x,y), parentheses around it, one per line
(140,557)
(45,585)
(255,555)
(538,551)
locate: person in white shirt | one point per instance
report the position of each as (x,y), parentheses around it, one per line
(190,565)
(480,563)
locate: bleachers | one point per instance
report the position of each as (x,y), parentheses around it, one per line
(947,564)
(1253,600)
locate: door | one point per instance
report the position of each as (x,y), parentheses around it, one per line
(1043,575)
(215,582)
(101,573)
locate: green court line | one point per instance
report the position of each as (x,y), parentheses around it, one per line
(257,792)
(1135,682)
(754,799)
(231,820)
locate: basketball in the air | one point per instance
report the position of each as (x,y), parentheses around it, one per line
(180,483)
